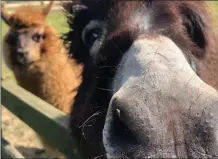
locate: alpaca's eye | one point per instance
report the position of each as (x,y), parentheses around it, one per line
(20,25)
(37,37)
(91,33)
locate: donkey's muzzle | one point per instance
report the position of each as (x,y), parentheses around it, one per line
(163,111)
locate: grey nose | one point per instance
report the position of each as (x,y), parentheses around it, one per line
(127,123)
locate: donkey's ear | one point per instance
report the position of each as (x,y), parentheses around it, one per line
(5,16)
(48,8)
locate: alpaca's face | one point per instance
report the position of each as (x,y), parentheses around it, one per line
(23,44)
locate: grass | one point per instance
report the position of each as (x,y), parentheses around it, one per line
(214,5)
(55,19)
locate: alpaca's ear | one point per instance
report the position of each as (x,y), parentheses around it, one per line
(48,8)
(5,16)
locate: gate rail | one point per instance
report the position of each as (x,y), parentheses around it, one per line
(50,123)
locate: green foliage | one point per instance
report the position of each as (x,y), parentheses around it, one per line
(214,6)
(58,21)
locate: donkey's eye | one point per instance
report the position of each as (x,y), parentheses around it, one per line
(91,36)
(91,33)
(37,37)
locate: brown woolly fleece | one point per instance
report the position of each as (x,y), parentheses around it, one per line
(54,76)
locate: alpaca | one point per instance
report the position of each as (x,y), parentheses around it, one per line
(150,83)
(38,58)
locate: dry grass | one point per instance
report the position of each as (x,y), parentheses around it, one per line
(21,136)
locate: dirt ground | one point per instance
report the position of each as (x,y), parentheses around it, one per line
(21,136)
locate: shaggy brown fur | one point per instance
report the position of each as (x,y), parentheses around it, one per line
(51,74)
(187,23)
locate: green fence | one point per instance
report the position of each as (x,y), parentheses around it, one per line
(50,123)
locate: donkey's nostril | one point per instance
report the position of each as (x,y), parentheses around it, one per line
(117,111)
(119,131)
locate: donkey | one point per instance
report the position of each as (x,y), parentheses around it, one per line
(150,81)
(37,57)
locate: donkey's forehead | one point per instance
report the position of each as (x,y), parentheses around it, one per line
(97,8)
(91,3)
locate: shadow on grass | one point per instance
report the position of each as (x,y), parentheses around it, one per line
(32,152)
